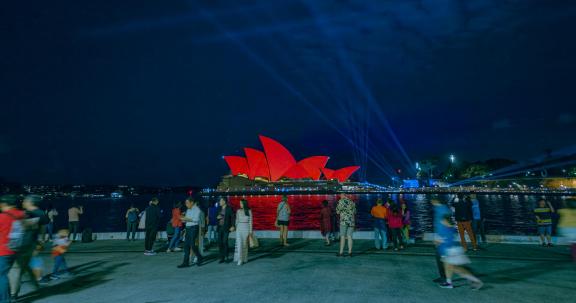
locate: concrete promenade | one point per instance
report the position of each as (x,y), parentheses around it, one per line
(307,271)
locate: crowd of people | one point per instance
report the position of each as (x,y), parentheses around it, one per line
(25,230)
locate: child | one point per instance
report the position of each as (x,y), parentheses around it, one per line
(61,244)
(37,264)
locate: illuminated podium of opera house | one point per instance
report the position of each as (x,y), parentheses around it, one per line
(275,169)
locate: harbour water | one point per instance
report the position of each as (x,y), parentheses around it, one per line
(505,214)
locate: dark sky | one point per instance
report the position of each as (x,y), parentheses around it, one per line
(142,92)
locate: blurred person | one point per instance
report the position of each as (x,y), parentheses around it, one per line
(441,210)
(74,213)
(452,256)
(380,215)
(346,209)
(176,223)
(463,216)
(567,224)
(405,212)
(244,229)
(477,220)
(51,213)
(131,222)
(152,221)
(283,219)
(225,227)
(201,233)
(326,221)
(543,214)
(212,231)
(59,250)
(35,218)
(11,232)
(191,219)
(37,264)
(395,225)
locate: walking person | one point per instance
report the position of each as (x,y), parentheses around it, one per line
(379,216)
(453,256)
(61,245)
(283,219)
(35,218)
(477,220)
(244,221)
(176,223)
(52,213)
(346,209)
(131,222)
(440,211)
(326,222)
(395,224)
(10,229)
(405,222)
(225,227)
(152,221)
(74,213)
(463,216)
(212,232)
(543,214)
(191,219)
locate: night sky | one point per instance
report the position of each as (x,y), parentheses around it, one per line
(156,92)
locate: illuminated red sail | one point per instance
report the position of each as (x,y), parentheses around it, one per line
(238,165)
(280,160)
(314,166)
(257,164)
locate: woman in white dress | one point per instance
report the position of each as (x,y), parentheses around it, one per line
(243,231)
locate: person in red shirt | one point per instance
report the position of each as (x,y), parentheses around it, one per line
(7,217)
(395,223)
(177,224)
(326,221)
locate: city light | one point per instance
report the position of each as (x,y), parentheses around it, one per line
(452,158)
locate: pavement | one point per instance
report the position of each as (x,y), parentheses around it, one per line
(307,271)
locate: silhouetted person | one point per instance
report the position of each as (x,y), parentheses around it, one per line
(463,215)
(152,221)
(225,227)
(131,222)
(74,214)
(478,220)
(326,221)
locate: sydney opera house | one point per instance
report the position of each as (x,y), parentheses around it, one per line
(275,168)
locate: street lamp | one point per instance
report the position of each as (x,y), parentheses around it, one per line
(452,158)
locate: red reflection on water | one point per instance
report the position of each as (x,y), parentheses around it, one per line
(305,210)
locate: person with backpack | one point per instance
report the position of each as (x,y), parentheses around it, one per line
(131,222)
(34,219)
(11,237)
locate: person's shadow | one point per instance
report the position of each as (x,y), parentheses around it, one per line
(78,282)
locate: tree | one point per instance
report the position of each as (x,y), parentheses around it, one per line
(475,170)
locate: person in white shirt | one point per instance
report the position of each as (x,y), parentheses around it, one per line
(192,219)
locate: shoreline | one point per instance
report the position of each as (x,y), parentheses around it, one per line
(358,235)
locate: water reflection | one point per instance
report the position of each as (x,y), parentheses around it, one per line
(505,214)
